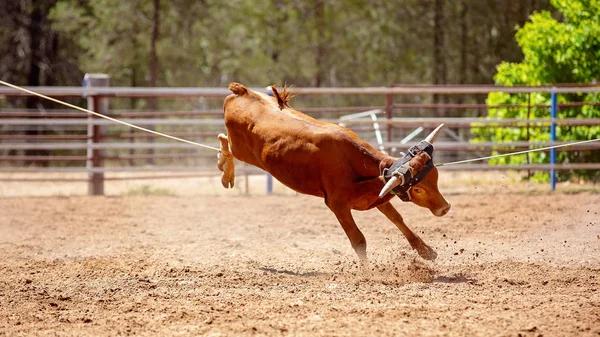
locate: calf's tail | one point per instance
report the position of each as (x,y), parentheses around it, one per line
(238,88)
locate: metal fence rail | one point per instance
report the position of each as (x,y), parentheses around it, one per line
(70,141)
(453,122)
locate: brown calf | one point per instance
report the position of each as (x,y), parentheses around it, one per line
(321,159)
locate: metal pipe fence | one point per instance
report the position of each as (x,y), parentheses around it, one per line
(61,140)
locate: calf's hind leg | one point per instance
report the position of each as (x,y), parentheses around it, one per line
(225,163)
(415,241)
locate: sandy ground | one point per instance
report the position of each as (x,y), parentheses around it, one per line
(512,261)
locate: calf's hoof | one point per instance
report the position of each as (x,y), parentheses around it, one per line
(225,162)
(426,252)
(228,177)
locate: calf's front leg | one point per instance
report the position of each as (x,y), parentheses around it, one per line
(415,241)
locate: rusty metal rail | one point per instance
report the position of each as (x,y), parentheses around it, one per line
(462,122)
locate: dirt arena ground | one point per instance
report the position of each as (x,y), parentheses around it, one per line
(512,261)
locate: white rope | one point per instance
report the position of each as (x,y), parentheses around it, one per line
(520,152)
(106,117)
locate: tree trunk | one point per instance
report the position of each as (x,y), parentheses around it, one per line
(320,52)
(152,106)
(464,41)
(40,44)
(277,41)
(439,62)
(155,35)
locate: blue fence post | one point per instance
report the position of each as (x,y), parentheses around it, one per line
(553,110)
(269,183)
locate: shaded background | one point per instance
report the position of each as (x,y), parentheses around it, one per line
(304,43)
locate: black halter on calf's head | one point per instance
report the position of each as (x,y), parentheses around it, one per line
(401,177)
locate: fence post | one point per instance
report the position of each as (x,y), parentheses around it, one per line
(95,132)
(553,111)
(269,183)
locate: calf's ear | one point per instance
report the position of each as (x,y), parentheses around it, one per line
(417,163)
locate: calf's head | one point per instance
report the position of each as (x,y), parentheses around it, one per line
(414,177)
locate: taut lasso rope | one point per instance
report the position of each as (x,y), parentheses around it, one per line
(520,152)
(106,117)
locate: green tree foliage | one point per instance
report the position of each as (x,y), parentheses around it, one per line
(261,42)
(31,51)
(555,51)
(305,43)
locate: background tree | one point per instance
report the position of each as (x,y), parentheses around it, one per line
(555,51)
(303,43)
(320,43)
(32,54)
